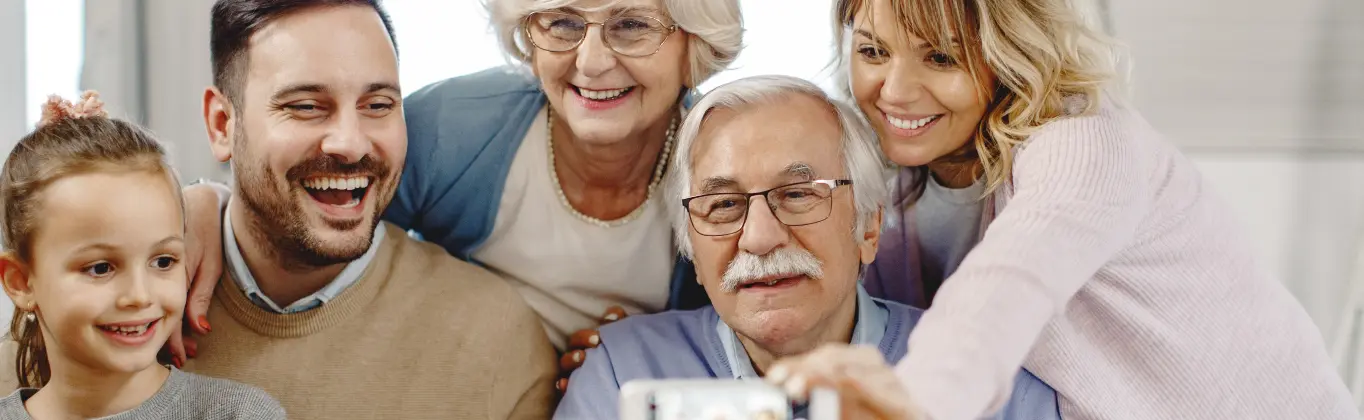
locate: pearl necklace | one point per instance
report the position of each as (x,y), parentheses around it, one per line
(659,167)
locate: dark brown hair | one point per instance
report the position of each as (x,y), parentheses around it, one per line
(65,144)
(235,21)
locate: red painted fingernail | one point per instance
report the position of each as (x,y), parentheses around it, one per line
(203,324)
(190,351)
(178,364)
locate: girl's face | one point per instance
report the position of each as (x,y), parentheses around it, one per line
(106,279)
(923,104)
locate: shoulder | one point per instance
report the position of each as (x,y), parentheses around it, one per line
(217,396)
(899,312)
(1111,126)
(12,406)
(489,83)
(468,100)
(900,321)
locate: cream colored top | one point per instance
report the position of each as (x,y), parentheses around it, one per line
(568,270)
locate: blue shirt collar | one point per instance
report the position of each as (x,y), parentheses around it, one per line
(242,274)
(868,329)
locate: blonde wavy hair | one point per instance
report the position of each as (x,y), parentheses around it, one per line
(1047,61)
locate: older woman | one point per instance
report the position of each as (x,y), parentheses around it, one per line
(545,172)
(1101,262)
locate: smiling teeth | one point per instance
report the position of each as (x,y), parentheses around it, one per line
(910,124)
(336,183)
(128,330)
(602,95)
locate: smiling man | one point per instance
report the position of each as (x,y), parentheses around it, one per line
(331,311)
(776,195)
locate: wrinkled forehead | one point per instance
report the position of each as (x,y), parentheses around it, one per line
(766,144)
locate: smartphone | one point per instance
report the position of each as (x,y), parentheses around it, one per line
(720,399)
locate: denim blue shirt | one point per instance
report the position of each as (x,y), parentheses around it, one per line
(242,274)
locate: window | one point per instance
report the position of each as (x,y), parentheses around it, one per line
(54,40)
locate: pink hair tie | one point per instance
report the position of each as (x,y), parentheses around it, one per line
(57,109)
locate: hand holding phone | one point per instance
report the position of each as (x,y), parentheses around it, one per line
(720,399)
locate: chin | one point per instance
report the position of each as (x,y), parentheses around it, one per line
(904,153)
(773,328)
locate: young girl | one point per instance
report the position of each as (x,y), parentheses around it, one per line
(94,235)
(1102,262)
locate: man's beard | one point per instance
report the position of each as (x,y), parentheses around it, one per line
(279,219)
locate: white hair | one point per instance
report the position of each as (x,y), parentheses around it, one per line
(862,158)
(716,24)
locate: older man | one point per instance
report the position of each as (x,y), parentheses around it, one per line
(776,195)
(334,313)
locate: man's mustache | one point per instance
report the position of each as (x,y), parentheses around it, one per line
(330,165)
(781,261)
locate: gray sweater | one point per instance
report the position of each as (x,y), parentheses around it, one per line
(183,396)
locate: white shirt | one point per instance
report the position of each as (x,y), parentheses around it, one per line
(570,271)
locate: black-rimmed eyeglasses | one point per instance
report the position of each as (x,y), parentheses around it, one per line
(633,36)
(798,204)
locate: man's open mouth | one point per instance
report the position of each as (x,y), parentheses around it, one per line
(340,191)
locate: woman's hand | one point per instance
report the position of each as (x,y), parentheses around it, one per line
(578,343)
(204,262)
(867,387)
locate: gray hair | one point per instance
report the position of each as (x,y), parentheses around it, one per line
(861,151)
(716,24)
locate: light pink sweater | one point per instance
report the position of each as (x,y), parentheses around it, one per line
(1113,273)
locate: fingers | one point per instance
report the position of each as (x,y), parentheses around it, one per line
(561,385)
(205,254)
(191,346)
(571,361)
(584,339)
(613,314)
(176,347)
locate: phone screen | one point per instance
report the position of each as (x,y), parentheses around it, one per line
(720,404)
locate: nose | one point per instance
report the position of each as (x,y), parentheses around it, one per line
(136,291)
(594,56)
(347,139)
(762,232)
(903,85)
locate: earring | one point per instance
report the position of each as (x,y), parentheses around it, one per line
(30,317)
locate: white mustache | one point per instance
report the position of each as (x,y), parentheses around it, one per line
(781,261)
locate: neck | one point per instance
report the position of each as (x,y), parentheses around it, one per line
(956,171)
(607,181)
(78,391)
(281,278)
(837,328)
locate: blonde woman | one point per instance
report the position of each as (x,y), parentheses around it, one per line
(1102,262)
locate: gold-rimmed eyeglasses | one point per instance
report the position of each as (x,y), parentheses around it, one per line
(633,36)
(798,204)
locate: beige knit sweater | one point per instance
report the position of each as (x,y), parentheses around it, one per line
(421,335)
